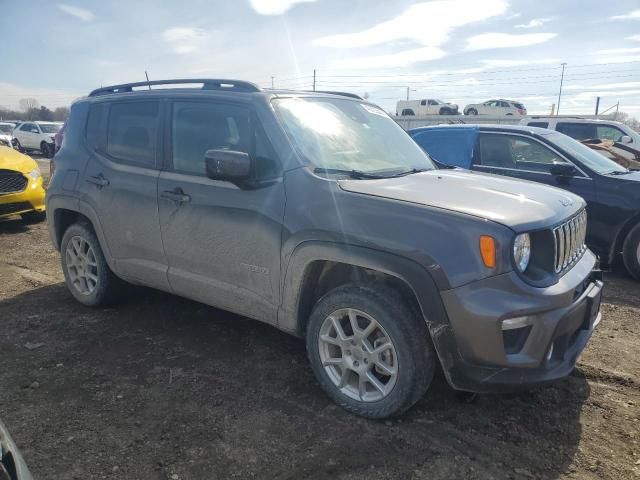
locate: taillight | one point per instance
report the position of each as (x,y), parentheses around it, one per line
(522,111)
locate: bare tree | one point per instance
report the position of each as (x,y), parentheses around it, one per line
(61,113)
(27,104)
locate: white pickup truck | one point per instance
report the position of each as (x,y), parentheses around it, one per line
(426,106)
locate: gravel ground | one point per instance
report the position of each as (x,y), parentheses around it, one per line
(165,388)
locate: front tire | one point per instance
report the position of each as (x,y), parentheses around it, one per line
(46,150)
(472,111)
(18,146)
(86,272)
(369,351)
(631,252)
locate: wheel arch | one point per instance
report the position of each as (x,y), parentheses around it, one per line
(317,267)
(622,235)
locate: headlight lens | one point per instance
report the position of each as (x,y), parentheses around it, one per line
(34,174)
(522,251)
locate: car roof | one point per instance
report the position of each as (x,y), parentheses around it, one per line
(487,127)
(573,119)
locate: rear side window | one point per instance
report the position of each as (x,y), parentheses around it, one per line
(132,132)
(579,131)
(538,124)
(96,127)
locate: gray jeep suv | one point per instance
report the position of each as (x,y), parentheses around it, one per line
(318,214)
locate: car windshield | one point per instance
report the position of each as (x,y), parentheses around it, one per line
(50,128)
(6,128)
(592,159)
(342,134)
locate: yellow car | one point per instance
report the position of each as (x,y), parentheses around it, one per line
(21,189)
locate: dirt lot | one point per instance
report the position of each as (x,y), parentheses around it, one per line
(164,388)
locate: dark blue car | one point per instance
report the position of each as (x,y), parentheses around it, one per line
(612,192)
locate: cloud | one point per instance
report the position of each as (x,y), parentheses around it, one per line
(414,24)
(635,15)
(536,22)
(401,59)
(634,38)
(81,13)
(184,39)
(487,41)
(614,51)
(516,63)
(275,7)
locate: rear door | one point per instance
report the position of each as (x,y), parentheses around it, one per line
(120,184)
(578,131)
(27,134)
(526,158)
(222,240)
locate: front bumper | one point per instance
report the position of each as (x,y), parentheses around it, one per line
(12,464)
(481,352)
(28,200)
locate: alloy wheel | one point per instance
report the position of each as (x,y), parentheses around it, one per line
(82,265)
(358,355)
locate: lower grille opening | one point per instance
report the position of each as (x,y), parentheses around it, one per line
(8,208)
(514,339)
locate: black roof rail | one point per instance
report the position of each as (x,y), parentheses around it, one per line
(207,84)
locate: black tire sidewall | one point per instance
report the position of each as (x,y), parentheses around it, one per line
(629,252)
(416,357)
(104,291)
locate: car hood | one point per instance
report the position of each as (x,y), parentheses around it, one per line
(520,205)
(11,159)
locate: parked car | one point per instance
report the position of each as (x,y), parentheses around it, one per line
(36,136)
(529,153)
(496,108)
(6,134)
(585,129)
(21,189)
(427,106)
(316,213)
(12,465)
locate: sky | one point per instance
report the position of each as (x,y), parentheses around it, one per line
(462,51)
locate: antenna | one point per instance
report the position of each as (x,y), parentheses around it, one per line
(147,75)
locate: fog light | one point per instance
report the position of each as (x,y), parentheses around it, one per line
(516,322)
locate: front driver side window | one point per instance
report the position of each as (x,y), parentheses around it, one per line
(515,152)
(608,132)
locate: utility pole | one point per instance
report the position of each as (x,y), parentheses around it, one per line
(407,94)
(597,105)
(314,79)
(272,77)
(617,107)
(560,92)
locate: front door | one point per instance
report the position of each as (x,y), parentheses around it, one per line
(526,158)
(222,240)
(120,184)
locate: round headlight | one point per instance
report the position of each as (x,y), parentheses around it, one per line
(522,251)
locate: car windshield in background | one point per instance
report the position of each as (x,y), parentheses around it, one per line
(592,159)
(6,128)
(342,134)
(51,128)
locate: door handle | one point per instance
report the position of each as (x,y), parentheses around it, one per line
(176,195)
(98,180)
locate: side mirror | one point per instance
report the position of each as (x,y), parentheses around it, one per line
(228,165)
(625,139)
(563,170)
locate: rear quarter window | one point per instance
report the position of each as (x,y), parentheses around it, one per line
(538,124)
(96,127)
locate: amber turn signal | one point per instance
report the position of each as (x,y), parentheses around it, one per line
(488,251)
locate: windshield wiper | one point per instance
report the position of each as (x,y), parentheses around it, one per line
(356,174)
(619,172)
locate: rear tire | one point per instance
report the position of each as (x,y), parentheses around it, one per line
(395,360)
(631,252)
(34,217)
(46,150)
(86,272)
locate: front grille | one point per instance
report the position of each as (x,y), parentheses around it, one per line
(8,208)
(569,239)
(12,181)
